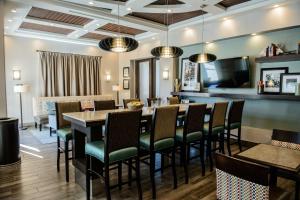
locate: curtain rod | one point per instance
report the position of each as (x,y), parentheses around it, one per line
(66,53)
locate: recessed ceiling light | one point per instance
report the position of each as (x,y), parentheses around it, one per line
(253,34)
(129,9)
(153,38)
(139,41)
(207,42)
(13,10)
(51,24)
(169,10)
(225,18)
(276,6)
(10,20)
(91,3)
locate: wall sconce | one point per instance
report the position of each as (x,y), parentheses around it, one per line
(165,74)
(107,77)
(16,74)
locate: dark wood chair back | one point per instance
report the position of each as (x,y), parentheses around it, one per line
(122,130)
(164,123)
(104,105)
(236,111)
(173,100)
(126,101)
(218,114)
(194,121)
(287,139)
(150,100)
(65,107)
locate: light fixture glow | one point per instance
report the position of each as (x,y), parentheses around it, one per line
(169,10)
(118,45)
(253,34)
(108,77)
(13,10)
(16,74)
(91,3)
(10,20)
(165,74)
(129,9)
(276,6)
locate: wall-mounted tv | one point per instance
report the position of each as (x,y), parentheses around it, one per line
(226,73)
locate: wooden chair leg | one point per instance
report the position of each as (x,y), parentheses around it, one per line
(188,154)
(228,142)
(58,154)
(120,175)
(50,131)
(67,160)
(138,178)
(174,167)
(162,163)
(221,142)
(41,126)
(297,188)
(185,164)
(202,156)
(35,124)
(239,138)
(182,151)
(129,171)
(152,174)
(106,180)
(88,183)
(209,154)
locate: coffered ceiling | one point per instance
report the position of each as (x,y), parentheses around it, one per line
(93,20)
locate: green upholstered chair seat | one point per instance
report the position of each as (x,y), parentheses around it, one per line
(233,125)
(189,137)
(97,150)
(65,134)
(215,130)
(158,145)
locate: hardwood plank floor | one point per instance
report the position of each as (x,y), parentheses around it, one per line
(36,178)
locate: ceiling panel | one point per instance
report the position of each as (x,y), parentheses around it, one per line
(165,2)
(123,29)
(51,29)
(173,18)
(94,36)
(57,16)
(228,3)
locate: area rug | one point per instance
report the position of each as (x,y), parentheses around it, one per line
(43,136)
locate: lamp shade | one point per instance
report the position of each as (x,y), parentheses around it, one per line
(167,52)
(116,88)
(202,58)
(21,88)
(119,44)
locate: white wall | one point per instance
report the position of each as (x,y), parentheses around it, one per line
(21,54)
(2,66)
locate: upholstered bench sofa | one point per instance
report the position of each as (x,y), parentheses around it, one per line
(44,107)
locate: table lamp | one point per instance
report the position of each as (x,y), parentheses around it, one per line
(20,88)
(116,88)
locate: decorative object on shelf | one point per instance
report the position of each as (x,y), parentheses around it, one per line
(118,44)
(271,79)
(177,85)
(260,87)
(167,51)
(289,83)
(16,74)
(189,75)
(125,72)
(126,84)
(271,50)
(203,57)
(21,88)
(116,88)
(135,105)
(165,74)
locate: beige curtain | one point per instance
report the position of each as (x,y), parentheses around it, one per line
(69,74)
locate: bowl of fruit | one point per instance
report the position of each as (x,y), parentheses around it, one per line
(135,105)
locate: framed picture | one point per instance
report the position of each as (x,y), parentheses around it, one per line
(271,79)
(289,82)
(190,75)
(125,72)
(126,84)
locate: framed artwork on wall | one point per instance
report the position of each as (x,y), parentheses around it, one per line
(190,75)
(271,79)
(126,84)
(289,83)
(125,72)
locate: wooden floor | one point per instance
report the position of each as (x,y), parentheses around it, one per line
(36,178)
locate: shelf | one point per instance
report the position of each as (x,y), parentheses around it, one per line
(283,58)
(240,96)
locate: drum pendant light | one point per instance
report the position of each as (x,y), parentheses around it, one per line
(167,51)
(202,57)
(118,44)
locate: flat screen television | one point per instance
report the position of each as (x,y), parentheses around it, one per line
(226,73)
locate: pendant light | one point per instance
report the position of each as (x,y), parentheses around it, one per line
(167,51)
(118,44)
(202,57)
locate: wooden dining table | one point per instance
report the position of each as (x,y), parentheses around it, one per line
(87,127)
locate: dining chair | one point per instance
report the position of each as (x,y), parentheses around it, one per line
(243,180)
(290,140)
(64,131)
(173,100)
(104,105)
(192,134)
(214,129)
(234,121)
(126,101)
(161,139)
(121,144)
(150,100)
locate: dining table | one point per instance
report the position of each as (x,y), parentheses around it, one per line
(275,157)
(88,126)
